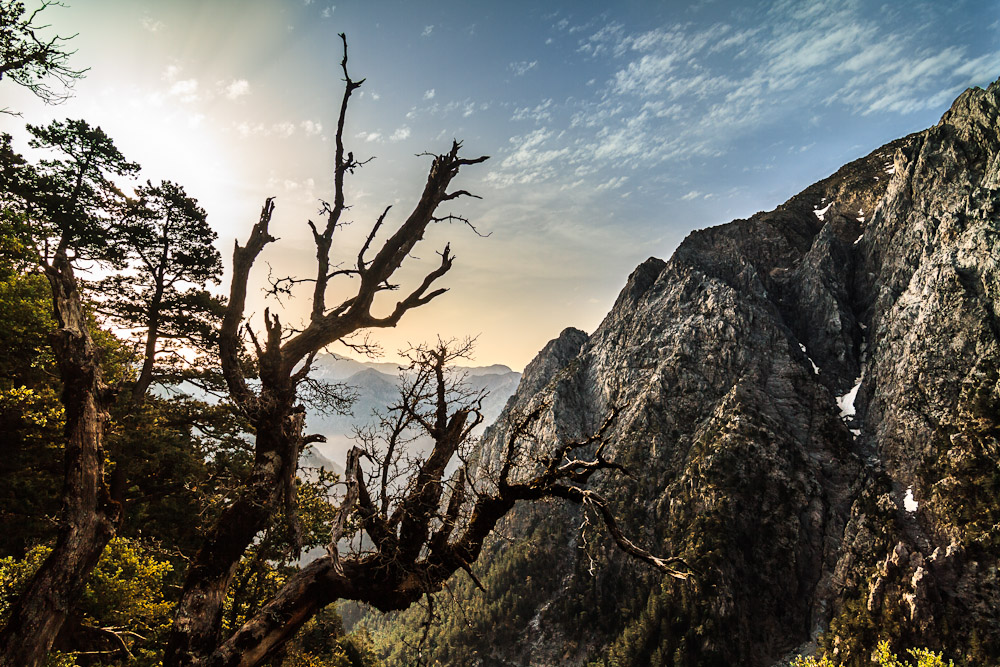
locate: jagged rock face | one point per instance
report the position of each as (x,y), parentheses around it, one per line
(809,406)
(929,290)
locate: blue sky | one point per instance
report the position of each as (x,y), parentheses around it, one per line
(614,129)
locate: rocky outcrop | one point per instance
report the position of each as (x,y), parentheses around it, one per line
(809,408)
(922,544)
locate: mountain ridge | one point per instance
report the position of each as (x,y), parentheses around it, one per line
(736,367)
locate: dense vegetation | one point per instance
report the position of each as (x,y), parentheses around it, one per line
(175,457)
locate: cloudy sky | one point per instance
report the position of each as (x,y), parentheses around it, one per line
(614,128)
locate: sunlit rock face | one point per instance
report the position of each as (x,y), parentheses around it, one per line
(808,406)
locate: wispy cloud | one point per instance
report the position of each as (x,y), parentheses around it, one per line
(236,89)
(150,24)
(305,187)
(185,89)
(539,113)
(171,72)
(523,67)
(464,108)
(427,31)
(281,129)
(682,91)
(531,160)
(284,129)
(613,183)
(311,127)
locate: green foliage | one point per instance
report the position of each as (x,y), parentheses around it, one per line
(126,588)
(182,457)
(14,574)
(124,608)
(883,657)
(322,643)
(256,580)
(801,661)
(176,459)
(267,564)
(167,246)
(31,415)
(70,197)
(25,308)
(469,624)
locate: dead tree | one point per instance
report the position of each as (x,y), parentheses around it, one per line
(283,357)
(422,527)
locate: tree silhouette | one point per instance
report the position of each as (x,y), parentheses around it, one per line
(283,358)
(419,523)
(420,538)
(167,245)
(403,526)
(32,61)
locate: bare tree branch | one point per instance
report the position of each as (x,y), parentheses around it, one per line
(32,61)
(230,343)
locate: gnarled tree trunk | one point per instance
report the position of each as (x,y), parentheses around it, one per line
(89,517)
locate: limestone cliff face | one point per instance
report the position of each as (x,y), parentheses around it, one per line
(809,407)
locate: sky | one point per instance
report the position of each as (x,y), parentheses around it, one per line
(613,128)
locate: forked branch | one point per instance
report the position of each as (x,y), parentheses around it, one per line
(426,528)
(230,341)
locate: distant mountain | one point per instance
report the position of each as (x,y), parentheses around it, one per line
(809,407)
(377,386)
(311,459)
(336,367)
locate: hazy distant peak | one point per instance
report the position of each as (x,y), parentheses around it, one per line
(495,369)
(333,366)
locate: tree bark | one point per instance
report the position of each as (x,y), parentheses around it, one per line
(89,518)
(315,586)
(198,619)
(149,352)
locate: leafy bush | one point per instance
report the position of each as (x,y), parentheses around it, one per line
(883,657)
(124,598)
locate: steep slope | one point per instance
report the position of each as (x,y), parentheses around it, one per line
(929,399)
(809,403)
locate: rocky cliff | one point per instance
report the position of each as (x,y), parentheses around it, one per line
(809,407)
